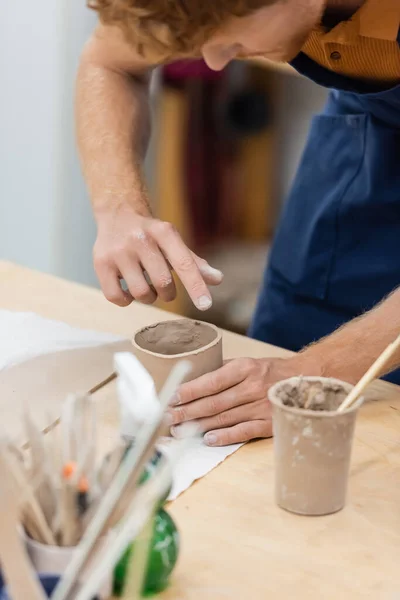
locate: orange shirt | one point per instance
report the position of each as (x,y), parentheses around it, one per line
(364,47)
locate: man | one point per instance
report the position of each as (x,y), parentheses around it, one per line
(336,253)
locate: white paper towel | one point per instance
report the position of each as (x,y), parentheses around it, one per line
(26,335)
(195,463)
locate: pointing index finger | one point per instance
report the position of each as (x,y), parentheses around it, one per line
(184,265)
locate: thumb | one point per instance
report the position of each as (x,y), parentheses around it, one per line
(210,275)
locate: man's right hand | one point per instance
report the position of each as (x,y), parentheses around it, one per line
(113,129)
(129,244)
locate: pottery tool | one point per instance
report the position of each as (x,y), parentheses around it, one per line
(53,423)
(130,470)
(109,466)
(41,467)
(20,577)
(373,372)
(24,491)
(140,513)
(136,571)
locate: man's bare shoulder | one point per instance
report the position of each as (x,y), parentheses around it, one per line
(108,47)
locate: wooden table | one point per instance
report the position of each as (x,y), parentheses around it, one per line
(236,543)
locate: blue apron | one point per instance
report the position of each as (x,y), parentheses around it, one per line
(336,252)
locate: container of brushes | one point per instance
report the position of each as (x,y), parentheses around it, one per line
(54,560)
(312,444)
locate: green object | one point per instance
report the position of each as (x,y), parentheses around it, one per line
(149,470)
(162,559)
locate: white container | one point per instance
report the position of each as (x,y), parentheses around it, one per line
(54,560)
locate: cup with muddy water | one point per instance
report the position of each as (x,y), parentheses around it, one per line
(160,346)
(312,443)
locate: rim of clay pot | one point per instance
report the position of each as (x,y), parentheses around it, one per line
(214,342)
(318,414)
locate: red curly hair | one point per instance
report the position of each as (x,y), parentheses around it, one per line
(171,27)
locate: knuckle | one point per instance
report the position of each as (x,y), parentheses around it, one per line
(180,414)
(141,293)
(223,420)
(119,253)
(247,431)
(257,388)
(114,297)
(198,288)
(164,280)
(186,263)
(246,365)
(214,405)
(214,381)
(162,227)
(241,367)
(148,298)
(100,260)
(186,393)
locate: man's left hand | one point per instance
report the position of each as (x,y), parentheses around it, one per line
(231,405)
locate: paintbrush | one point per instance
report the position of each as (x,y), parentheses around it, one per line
(130,469)
(136,570)
(21,579)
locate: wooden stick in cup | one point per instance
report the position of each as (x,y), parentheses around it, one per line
(20,576)
(373,372)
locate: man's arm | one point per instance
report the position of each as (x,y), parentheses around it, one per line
(113,129)
(231,404)
(113,121)
(352,349)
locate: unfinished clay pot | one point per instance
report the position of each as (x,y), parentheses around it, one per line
(160,346)
(312,444)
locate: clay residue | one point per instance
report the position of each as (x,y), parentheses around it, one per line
(315,395)
(175,337)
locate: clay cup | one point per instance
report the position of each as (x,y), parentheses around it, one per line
(160,346)
(312,444)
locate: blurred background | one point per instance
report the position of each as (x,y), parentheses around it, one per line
(224,150)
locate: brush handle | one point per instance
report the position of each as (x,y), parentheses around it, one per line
(373,372)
